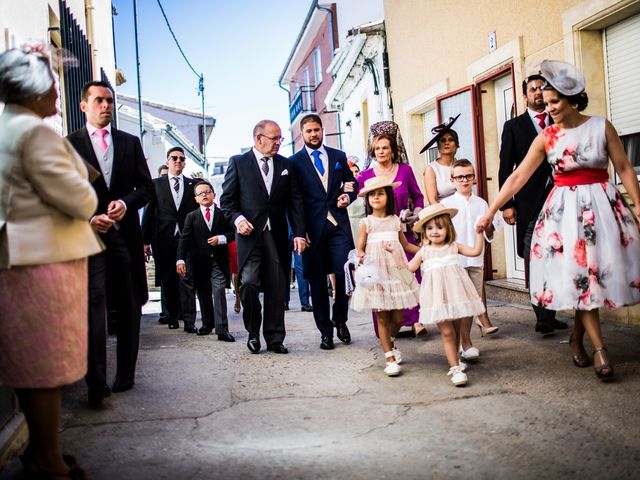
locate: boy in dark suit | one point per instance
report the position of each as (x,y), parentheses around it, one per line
(204,241)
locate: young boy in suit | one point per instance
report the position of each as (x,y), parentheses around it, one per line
(203,244)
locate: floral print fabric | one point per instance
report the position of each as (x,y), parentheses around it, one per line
(585,251)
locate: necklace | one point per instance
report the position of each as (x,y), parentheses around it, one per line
(386,172)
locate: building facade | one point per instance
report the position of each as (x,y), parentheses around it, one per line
(445,59)
(304,76)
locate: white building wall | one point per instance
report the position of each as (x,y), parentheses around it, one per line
(352,13)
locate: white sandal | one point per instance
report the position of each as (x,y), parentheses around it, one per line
(392,369)
(458,377)
(396,353)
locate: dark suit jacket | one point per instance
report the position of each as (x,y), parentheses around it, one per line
(318,202)
(517,136)
(244,193)
(159,223)
(194,249)
(130,182)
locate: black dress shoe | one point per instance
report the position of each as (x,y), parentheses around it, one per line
(286,305)
(544,328)
(558,325)
(253,344)
(121,385)
(174,325)
(205,331)
(162,320)
(307,308)
(277,348)
(342,332)
(326,343)
(96,395)
(226,337)
(190,329)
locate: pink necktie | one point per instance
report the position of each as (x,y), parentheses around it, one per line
(207,215)
(541,118)
(102,143)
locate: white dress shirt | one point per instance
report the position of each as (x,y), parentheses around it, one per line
(324,158)
(105,159)
(469,210)
(534,119)
(268,181)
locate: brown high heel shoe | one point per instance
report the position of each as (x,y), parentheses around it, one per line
(602,365)
(579,354)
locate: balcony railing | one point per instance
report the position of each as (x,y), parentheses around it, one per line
(303,102)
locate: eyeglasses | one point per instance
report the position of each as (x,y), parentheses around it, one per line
(176,158)
(464,178)
(204,194)
(273,139)
(533,88)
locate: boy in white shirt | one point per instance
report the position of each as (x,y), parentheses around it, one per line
(470,208)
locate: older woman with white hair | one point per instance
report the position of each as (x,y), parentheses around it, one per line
(46,201)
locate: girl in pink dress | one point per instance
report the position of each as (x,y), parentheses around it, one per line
(389,287)
(447,294)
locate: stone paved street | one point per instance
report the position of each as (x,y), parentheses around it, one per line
(204,409)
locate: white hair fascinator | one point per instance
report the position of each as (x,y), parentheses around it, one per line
(563,76)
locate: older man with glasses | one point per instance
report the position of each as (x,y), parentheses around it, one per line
(260,191)
(162,223)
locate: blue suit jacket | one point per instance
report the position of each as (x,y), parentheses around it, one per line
(318,202)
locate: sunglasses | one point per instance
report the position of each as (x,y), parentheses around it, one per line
(177,158)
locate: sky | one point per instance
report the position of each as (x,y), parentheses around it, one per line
(240,46)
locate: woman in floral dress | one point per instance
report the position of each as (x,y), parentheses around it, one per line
(585,251)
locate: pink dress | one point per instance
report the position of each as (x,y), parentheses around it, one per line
(44,323)
(395,287)
(446,291)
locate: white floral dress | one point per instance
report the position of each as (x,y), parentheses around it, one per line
(585,251)
(395,287)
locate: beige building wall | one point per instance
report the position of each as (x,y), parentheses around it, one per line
(439,47)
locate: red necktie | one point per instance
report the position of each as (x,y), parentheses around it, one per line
(541,118)
(207,215)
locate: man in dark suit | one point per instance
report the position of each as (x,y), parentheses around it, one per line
(203,252)
(259,192)
(322,172)
(124,187)
(517,136)
(162,223)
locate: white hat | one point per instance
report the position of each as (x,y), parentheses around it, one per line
(563,76)
(430,212)
(375,183)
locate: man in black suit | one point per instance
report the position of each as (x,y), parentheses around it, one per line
(162,223)
(517,136)
(124,187)
(259,192)
(203,252)
(322,172)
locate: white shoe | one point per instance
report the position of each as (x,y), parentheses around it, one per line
(392,369)
(458,377)
(470,354)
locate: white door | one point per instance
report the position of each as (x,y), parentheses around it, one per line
(505,110)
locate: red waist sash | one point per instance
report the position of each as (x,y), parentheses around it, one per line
(581,176)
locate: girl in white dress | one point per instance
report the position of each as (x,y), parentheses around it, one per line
(447,294)
(391,287)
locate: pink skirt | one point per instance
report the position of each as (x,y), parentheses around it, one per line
(43,324)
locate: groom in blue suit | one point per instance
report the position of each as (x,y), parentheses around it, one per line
(322,173)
